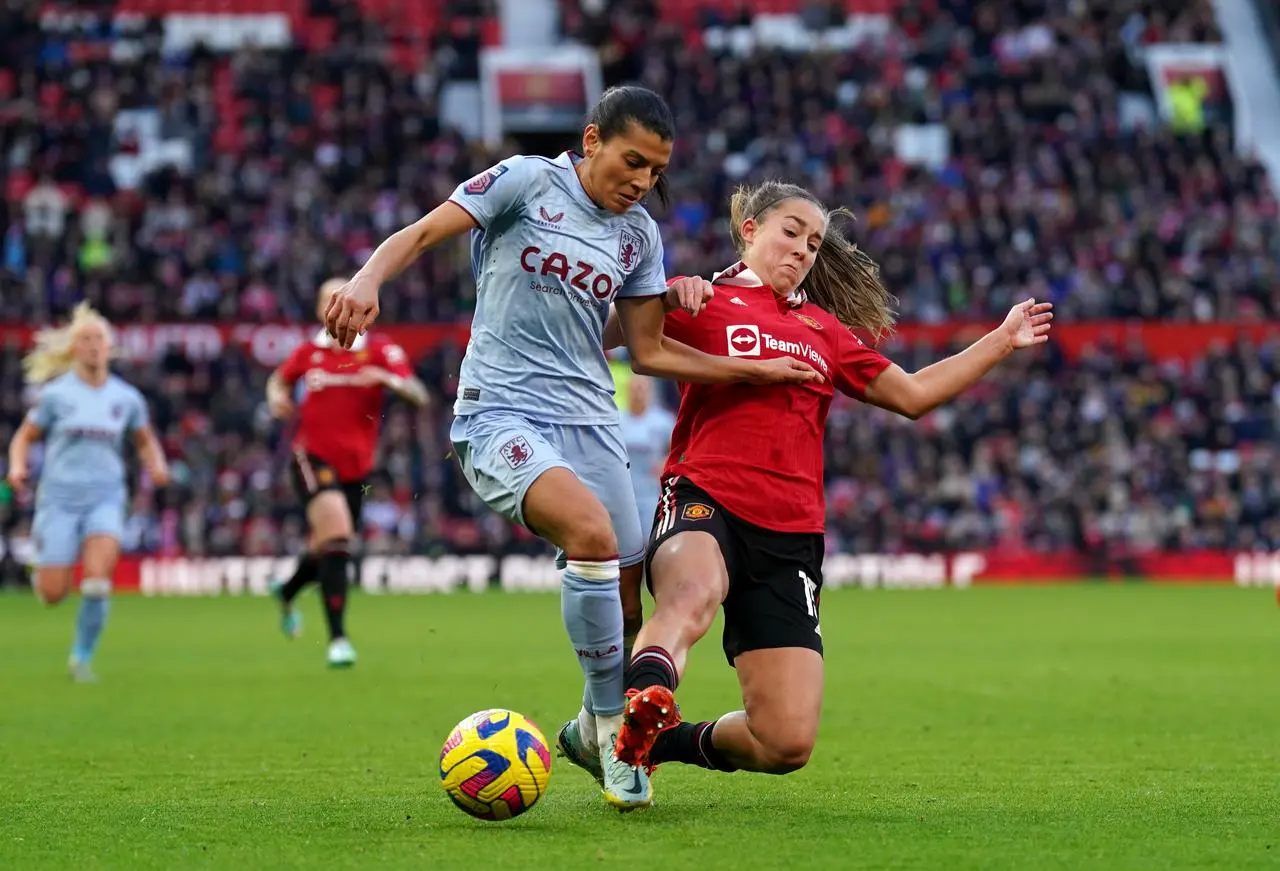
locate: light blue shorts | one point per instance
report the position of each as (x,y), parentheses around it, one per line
(647,504)
(502,453)
(60,530)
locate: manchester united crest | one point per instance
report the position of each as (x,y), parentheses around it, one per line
(697,511)
(808,321)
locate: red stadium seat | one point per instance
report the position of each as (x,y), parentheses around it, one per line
(325,97)
(319,33)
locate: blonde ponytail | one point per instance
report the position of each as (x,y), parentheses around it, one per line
(52,355)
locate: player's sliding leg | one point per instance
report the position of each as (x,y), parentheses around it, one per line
(689,581)
(775,734)
(333,531)
(559,507)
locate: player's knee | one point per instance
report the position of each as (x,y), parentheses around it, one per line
(337,543)
(593,540)
(785,753)
(51,590)
(52,596)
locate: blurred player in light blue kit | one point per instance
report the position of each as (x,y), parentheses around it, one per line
(84,413)
(553,243)
(646,431)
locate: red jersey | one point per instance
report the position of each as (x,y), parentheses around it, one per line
(340,415)
(758,450)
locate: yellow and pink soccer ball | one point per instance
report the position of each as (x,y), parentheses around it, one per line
(495,765)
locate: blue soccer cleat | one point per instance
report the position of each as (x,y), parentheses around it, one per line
(290,619)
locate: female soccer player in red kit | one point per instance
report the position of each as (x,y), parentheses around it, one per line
(742,515)
(334,448)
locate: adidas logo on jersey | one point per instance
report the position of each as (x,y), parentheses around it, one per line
(737,301)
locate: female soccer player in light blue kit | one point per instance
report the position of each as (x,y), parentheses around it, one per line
(83,414)
(554,243)
(646,431)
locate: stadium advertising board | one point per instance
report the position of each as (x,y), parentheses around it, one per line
(179,576)
(533,90)
(1206,70)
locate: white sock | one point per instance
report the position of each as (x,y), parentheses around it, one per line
(607,728)
(587,729)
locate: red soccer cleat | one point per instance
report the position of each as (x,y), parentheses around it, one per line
(648,713)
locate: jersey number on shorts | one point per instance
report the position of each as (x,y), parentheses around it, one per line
(810,592)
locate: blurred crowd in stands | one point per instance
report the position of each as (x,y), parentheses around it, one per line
(1055,185)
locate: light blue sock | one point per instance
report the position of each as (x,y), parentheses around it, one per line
(592,611)
(92,617)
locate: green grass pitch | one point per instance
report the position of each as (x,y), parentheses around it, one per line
(1094,726)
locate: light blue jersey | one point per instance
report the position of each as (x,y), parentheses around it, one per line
(84,431)
(648,438)
(547,263)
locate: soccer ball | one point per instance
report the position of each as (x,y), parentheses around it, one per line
(495,765)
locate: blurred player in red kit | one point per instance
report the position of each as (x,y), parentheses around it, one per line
(742,514)
(338,422)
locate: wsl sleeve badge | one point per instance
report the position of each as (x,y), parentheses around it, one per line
(495,765)
(480,185)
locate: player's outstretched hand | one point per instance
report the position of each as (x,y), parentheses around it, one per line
(352,310)
(159,474)
(1028,324)
(783,370)
(690,294)
(18,475)
(280,406)
(373,376)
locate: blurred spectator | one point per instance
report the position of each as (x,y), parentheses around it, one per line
(1117,451)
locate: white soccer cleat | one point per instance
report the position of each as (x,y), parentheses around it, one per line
(626,787)
(80,671)
(341,653)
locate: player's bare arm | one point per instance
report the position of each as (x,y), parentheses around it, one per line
(690,294)
(151,452)
(279,401)
(916,394)
(354,308)
(409,388)
(654,354)
(20,451)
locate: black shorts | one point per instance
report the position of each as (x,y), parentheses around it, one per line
(313,476)
(775,578)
